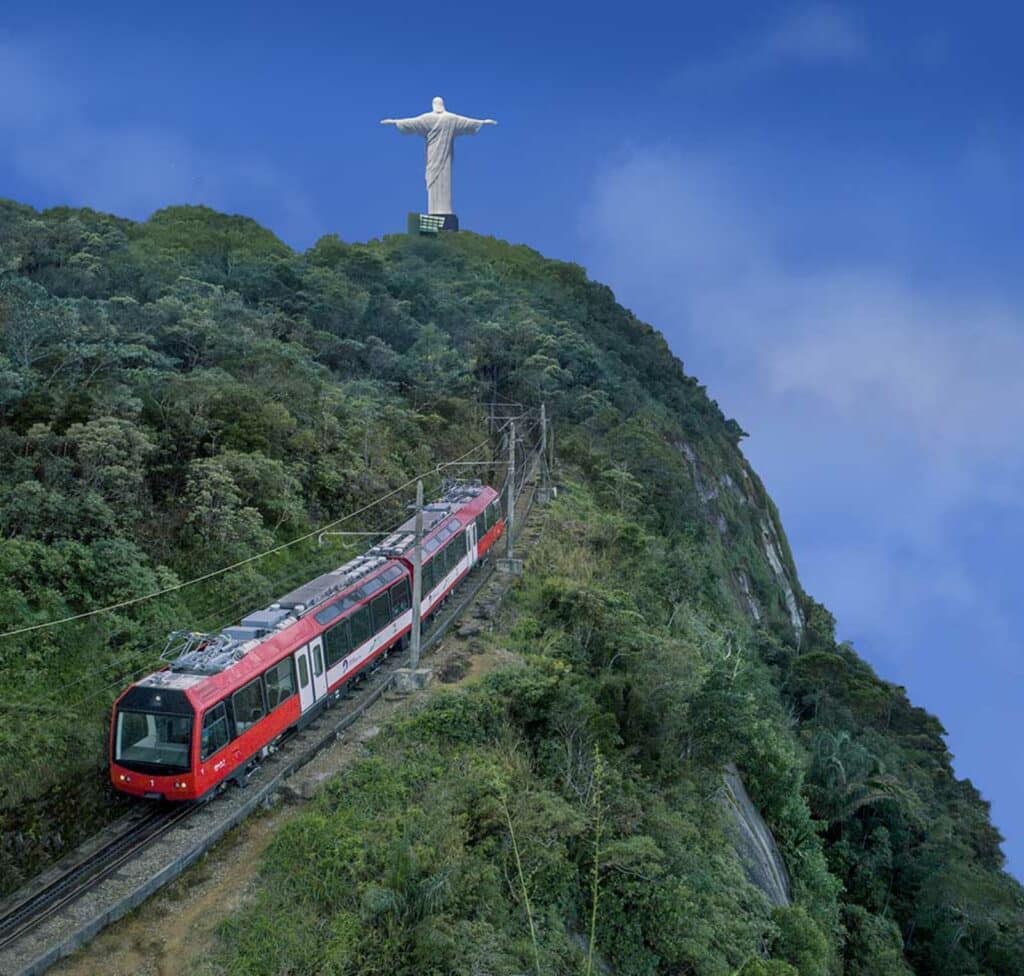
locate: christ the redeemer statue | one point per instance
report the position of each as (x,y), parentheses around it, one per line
(440,128)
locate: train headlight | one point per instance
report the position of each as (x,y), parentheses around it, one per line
(180,784)
(124,779)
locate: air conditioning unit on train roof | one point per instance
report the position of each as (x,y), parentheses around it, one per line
(312,594)
(244,633)
(265,621)
(395,544)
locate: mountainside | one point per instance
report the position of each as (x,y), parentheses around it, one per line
(182,394)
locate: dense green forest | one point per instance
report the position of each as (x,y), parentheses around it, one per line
(180,395)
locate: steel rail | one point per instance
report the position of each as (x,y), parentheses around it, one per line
(86,874)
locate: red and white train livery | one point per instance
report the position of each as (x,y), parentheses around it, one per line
(226,698)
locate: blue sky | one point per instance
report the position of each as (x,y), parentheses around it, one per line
(819,204)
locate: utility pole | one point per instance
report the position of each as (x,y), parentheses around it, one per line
(510,505)
(544,493)
(412,678)
(417,580)
(510,564)
(551,448)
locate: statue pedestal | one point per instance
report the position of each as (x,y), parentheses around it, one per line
(431,223)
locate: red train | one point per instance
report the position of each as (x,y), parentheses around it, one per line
(225,699)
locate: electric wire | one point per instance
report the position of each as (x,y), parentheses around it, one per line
(288,578)
(521,447)
(227,569)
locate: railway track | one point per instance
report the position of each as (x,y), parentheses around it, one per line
(68,886)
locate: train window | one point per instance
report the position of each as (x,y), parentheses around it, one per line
(362,628)
(401,598)
(368,588)
(318,660)
(381,612)
(330,613)
(431,544)
(247,704)
(337,643)
(280,682)
(216,733)
(391,574)
(481,526)
(156,740)
(303,670)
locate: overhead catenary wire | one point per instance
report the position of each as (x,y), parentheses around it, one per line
(218,617)
(288,578)
(132,658)
(236,565)
(522,444)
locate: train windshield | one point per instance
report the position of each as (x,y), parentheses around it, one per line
(153,743)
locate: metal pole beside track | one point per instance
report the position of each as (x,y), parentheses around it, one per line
(510,564)
(510,505)
(544,492)
(417,581)
(551,449)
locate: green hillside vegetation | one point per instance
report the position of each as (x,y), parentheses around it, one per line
(179,395)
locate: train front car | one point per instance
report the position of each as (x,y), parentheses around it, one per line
(153,738)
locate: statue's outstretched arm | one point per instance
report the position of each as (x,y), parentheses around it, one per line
(418,125)
(468,127)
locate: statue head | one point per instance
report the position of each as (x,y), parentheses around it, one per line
(438,103)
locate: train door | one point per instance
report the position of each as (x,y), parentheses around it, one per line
(471,543)
(316,650)
(312,686)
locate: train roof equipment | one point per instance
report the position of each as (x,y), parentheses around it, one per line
(192,653)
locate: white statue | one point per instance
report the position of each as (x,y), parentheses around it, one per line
(440,128)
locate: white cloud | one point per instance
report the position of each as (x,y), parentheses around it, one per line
(823,32)
(818,34)
(860,341)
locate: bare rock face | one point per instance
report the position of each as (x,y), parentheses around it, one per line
(753,609)
(757,850)
(772,550)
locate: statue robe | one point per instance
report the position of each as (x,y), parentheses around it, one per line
(440,130)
